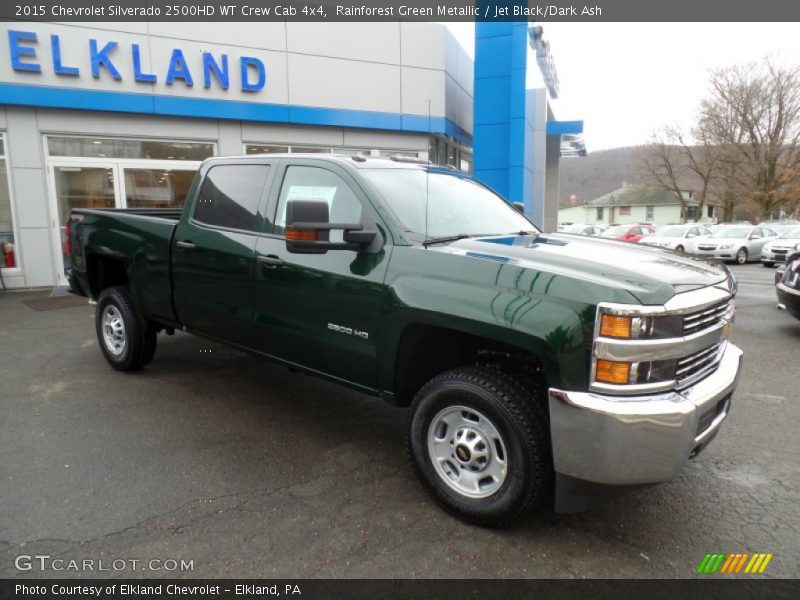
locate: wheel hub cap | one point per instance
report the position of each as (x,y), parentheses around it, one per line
(467,451)
(113,330)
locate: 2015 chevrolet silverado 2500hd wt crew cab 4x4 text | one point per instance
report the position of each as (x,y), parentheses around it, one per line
(536,367)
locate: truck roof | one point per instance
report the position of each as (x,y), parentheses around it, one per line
(358,161)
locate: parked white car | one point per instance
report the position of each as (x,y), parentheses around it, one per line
(777,250)
(681,238)
(737,243)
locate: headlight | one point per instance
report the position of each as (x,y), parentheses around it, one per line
(625,324)
(621,324)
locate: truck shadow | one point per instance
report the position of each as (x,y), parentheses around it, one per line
(298,429)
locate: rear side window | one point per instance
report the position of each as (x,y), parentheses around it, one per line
(230,195)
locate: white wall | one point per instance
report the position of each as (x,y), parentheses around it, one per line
(377,67)
(662,215)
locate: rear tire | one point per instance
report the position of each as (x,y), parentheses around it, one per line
(127,340)
(741,256)
(480,445)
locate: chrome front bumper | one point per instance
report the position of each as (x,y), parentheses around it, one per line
(639,440)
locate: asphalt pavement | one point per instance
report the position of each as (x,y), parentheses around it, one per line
(243,469)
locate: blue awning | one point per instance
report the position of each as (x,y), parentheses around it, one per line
(564,127)
(572,143)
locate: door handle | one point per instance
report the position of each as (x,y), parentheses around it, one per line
(271,261)
(189,245)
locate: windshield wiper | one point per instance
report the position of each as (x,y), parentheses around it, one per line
(449,238)
(463,236)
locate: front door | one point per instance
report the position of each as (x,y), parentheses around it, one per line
(320,311)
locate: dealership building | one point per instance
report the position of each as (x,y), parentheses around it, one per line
(107,115)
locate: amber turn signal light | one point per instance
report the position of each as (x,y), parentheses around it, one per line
(615,326)
(609,371)
(301,235)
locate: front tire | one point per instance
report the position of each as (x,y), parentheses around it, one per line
(741,256)
(127,340)
(768,264)
(480,445)
(679,249)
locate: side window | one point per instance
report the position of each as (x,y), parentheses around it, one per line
(757,233)
(315,183)
(230,195)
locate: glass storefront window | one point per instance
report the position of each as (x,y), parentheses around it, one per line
(272,149)
(8,249)
(441,158)
(466,162)
(433,152)
(402,153)
(157,188)
(122,148)
(310,149)
(451,155)
(262,149)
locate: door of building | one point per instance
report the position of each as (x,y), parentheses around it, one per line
(109,183)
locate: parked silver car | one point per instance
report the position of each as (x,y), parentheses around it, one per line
(738,243)
(777,250)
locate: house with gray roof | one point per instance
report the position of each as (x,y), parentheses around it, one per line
(639,204)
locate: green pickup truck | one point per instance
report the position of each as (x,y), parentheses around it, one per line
(539,369)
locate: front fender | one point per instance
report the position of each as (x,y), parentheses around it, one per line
(550,316)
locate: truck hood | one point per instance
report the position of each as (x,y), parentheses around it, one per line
(651,275)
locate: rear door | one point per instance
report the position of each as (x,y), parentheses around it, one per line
(213,249)
(321,311)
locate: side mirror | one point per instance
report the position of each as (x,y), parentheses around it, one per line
(308,230)
(519,207)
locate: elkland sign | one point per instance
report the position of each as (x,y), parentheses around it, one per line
(107,58)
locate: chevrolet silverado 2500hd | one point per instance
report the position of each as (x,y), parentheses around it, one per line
(537,367)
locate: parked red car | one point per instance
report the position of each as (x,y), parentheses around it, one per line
(628,233)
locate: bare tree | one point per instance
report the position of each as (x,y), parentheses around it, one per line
(663,162)
(703,159)
(754,113)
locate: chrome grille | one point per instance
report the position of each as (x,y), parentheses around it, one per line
(707,317)
(694,366)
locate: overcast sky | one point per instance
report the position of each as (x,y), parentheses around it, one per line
(624,80)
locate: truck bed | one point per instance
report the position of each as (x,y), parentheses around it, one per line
(137,241)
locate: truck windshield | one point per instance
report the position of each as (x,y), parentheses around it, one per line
(457,205)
